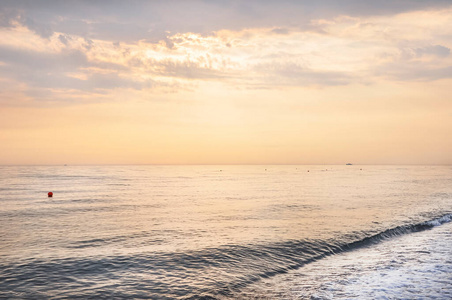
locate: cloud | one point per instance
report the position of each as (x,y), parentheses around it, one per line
(377,8)
(130,21)
(291,74)
(417,63)
(414,71)
(42,61)
(63,39)
(280,30)
(437,50)
(42,72)
(43,29)
(148,45)
(186,69)
(8,17)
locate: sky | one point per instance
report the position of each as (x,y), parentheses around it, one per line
(225,82)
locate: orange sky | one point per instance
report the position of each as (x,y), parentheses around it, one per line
(261,84)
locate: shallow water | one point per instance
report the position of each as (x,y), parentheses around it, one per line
(199,231)
(412,266)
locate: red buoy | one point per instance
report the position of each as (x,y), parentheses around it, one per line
(50,194)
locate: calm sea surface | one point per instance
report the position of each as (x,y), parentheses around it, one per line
(215,232)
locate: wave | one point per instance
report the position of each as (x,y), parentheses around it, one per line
(208,274)
(398,231)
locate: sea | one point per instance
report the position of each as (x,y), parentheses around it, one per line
(226,232)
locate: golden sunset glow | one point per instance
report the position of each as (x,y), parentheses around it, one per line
(138,85)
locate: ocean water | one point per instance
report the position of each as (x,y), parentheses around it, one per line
(225,232)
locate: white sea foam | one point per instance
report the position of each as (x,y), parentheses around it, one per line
(412,266)
(437,222)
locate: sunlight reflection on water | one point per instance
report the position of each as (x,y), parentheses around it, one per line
(195,230)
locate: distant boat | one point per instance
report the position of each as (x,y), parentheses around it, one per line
(349,164)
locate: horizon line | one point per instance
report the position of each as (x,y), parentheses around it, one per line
(222,164)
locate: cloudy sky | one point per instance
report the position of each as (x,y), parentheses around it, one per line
(226,82)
